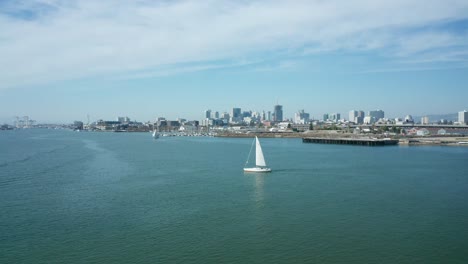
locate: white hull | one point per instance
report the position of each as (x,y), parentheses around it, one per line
(257,169)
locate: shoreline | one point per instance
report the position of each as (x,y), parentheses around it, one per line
(458,140)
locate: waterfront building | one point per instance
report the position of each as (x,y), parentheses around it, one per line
(188,129)
(422,132)
(441,132)
(463,117)
(282,126)
(278,113)
(301,117)
(207,122)
(300,127)
(78,125)
(269,116)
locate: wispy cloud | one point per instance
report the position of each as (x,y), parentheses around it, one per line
(43,41)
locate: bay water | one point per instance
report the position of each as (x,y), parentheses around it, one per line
(86,197)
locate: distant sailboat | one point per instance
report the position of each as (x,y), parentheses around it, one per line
(259,159)
(155,134)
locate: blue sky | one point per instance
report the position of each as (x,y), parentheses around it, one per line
(62,60)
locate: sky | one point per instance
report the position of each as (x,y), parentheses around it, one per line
(63,60)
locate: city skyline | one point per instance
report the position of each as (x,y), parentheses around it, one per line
(62,61)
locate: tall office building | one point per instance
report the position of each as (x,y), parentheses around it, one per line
(359,119)
(424,120)
(352,115)
(325,117)
(269,115)
(301,117)
(236,115)
(334,117)
(356,116)
(278,113)
(225,115)
(208,113)
(376,115)
(463,117)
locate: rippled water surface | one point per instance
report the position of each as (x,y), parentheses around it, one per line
(70,197)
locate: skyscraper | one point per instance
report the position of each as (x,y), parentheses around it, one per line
(463,117)
(352,114)
(425,120)
(376,115)
(208,113)
(278,113)
(301,117)
(236,115)
(356,116)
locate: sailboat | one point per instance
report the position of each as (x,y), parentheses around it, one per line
(155,134)
(260,164)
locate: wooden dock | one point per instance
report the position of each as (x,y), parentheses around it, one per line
(352,141)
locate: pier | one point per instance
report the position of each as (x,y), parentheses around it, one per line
(351,141)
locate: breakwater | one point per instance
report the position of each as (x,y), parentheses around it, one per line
(351,141)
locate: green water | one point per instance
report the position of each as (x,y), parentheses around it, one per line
(69,197)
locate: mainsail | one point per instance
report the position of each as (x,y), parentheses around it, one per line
(259,159)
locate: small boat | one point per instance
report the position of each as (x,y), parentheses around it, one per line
(260,164)
(155,134)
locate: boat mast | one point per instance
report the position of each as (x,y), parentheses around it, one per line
(248,157)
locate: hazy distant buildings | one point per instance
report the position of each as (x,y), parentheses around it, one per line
(122,120)
(301,117)
(325,117)
(208,113)
(425,120)
(356,116)
(352,114)
(78,125)
(334,117)
(408,119)
(374,115)
(225,117)
(23,122)
(278,113)
(463,117)
(236,115)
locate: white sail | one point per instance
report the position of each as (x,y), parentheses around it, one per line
(259,159)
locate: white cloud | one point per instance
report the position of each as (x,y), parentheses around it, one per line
(65,40)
